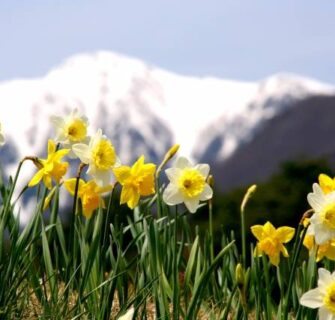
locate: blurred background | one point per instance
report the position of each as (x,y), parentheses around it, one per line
(247,86)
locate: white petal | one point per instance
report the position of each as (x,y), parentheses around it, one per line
(207,193)
(203,168)
(182,163)
(58,122)
(325,278)
(312,299)
(129,314)
(192,205)
(82,151)
(322,233)
(324,314)
(171,195)
(103,178)
(173,174)
(316,201)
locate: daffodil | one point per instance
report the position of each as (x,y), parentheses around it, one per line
(271,240)
(322,223)
(136,181)
(51,168)
(70,129)
(322,297)
(187,184)
(89,193)
(100,156)
(323,250)
(2,137)
(326,183)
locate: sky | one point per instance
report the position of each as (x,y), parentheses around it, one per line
(242,40)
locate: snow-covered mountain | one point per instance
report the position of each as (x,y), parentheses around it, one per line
(144,109)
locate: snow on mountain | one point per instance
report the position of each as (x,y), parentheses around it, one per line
(274,95)
(141,108)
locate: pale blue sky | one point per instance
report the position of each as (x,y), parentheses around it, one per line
(246,40)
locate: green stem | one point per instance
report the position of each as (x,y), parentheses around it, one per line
(243,239)
(176,273)
(293,269)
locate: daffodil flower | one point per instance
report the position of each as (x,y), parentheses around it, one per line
(136,181)
(322,297)
(322,223)
(270,241)
(51,168)
(100,156)
(70,129)
(187,184)
(2,137)
(323,250)
(89,193)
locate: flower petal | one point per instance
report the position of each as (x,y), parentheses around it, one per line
(206,194)
(192,204)
(257,231)
(36,178)
(182,163)
(172,196)
(82,151)
(203,168)
(285,234)
(312,299)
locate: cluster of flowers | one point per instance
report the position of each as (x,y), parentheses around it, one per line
(187,182)
(319,240)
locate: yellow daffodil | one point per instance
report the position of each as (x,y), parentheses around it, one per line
(270,241)
(136,181)
(326,183)
(322,297)
(187,184)
(322,223)
(70,129)
(89,193)
(2,137)
(323,250)
(100,156)
(51,168)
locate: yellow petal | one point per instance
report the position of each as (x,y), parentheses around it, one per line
(269,229)
(129,196)
(274,259)
(137,166)
(284,251)
(51,146)
(70,185)
(121,173)
(257,231)
(285,234)
(47,181)
(36,178)
(327,184)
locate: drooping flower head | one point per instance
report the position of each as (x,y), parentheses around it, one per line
(2,137)
(187,184)
(323,250)
(101,157)
(89,193)
(271,240)
(51,168)
(136,181)
(322,297)
(322,223)
(70,129)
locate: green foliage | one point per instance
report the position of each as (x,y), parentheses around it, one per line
(281,199)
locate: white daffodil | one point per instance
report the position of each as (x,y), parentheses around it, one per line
(70,129)
(129,315)
(2,137)
(322,223)
(187,184)
(322,297)
(101,157)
